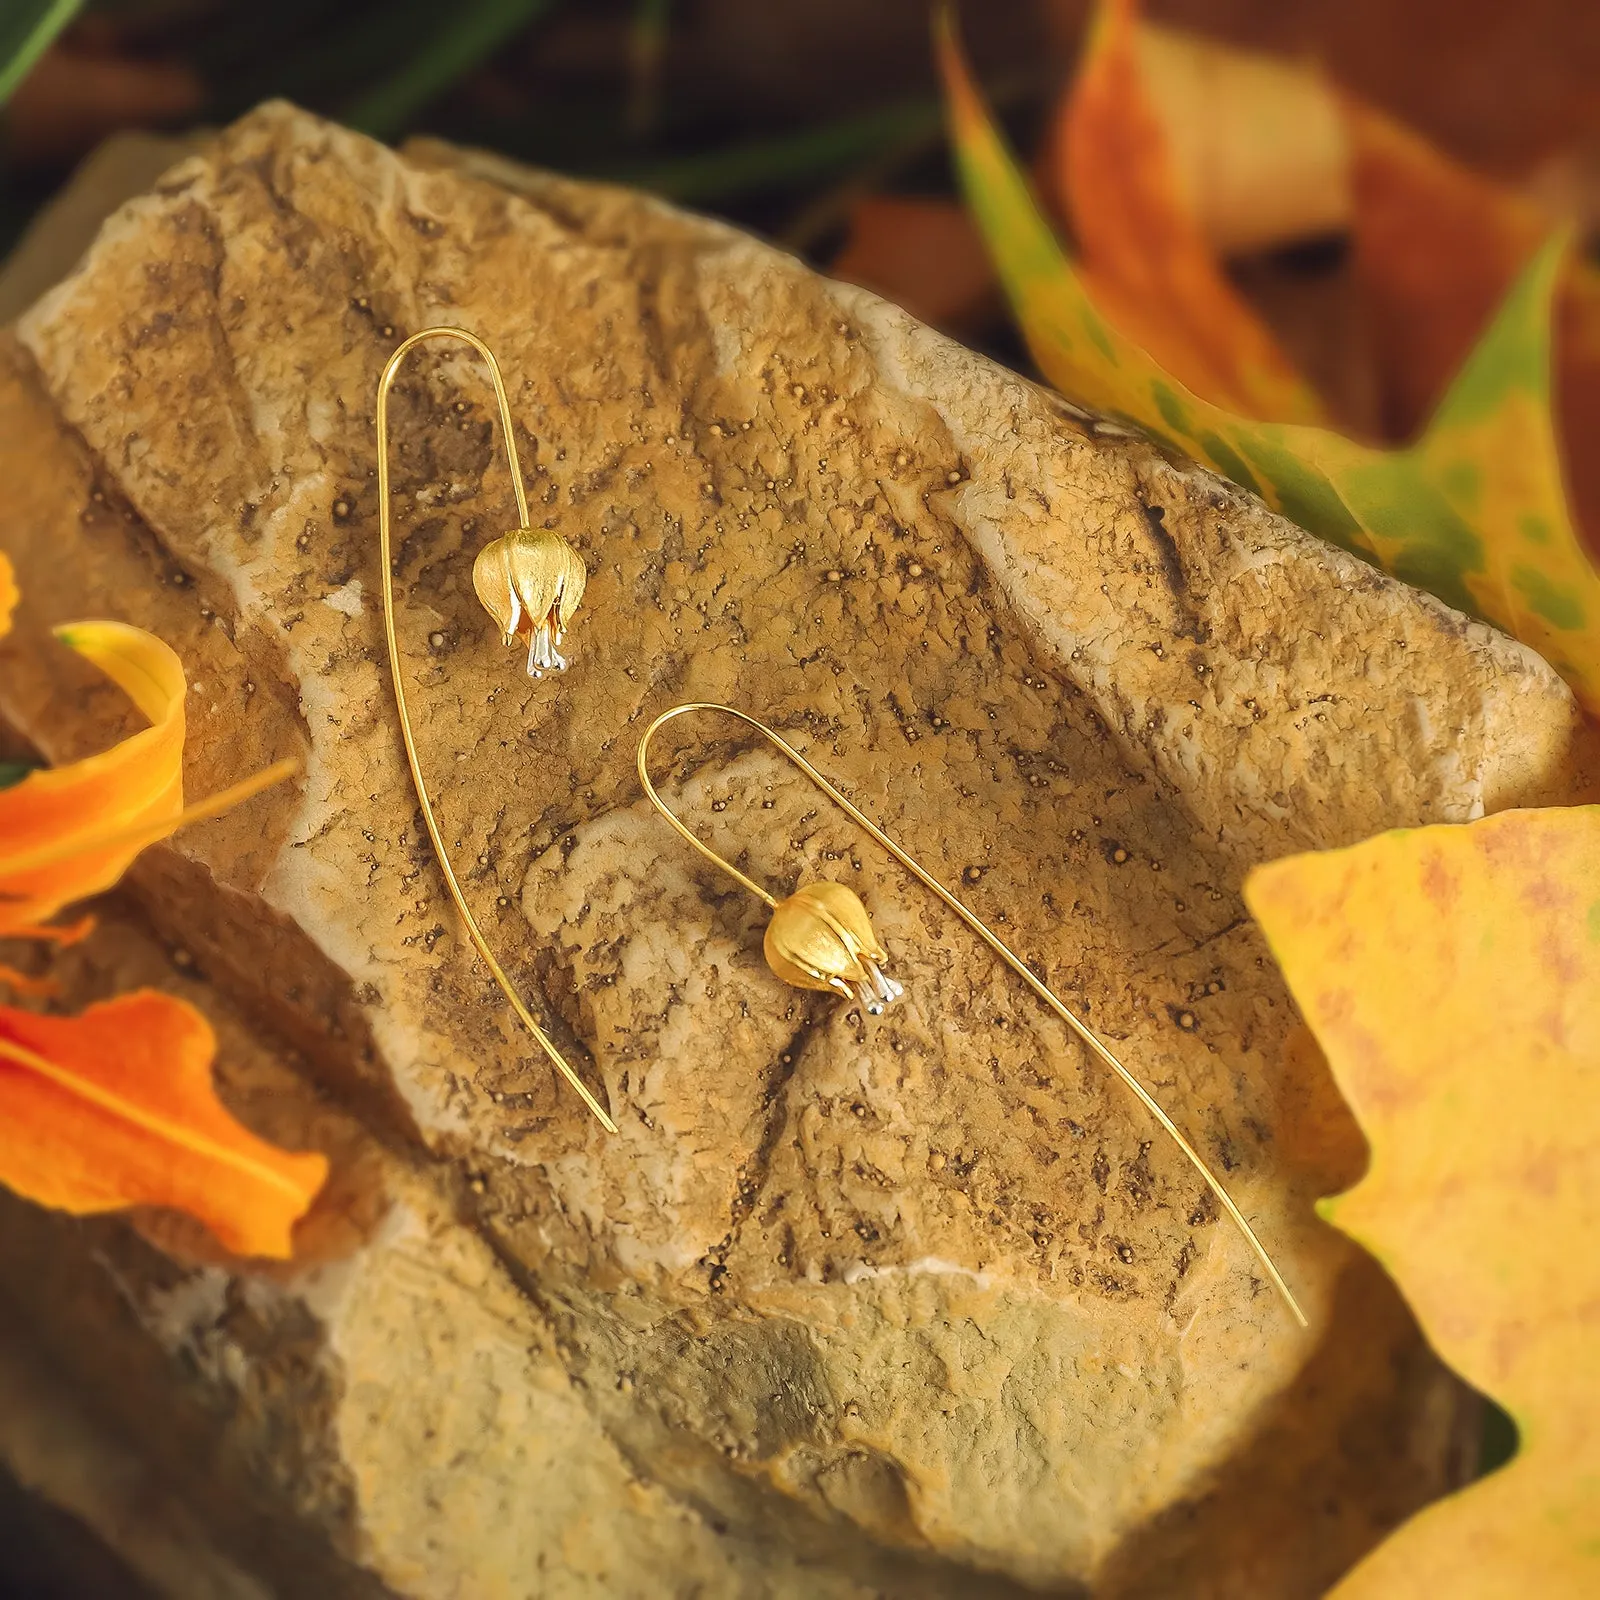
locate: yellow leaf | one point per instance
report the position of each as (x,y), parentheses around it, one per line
(1452,977)
(115,1108)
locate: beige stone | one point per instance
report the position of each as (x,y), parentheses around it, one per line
(919,1304)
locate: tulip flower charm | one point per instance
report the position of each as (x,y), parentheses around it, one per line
(530,581)
(822,938)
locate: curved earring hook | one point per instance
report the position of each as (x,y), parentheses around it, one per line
(978,926)
(384,544)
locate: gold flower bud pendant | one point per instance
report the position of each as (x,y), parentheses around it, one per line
(822,938)
(530,581)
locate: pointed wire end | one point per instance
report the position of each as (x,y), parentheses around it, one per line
(593,1104)
(1285,1293)
(1168,1126)
(584,1092)
(1293,1304)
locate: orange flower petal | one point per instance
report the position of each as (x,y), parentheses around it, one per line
(8,593)
(24,983)
(116,1108)
(58,933)
(134,836)
(138,781)
(1146,260)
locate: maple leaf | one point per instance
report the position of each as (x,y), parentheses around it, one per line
(1472,1064)
(1474,511)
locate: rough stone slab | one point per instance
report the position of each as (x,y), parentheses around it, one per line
(848,1303)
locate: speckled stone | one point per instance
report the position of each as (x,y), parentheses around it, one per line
(921,1304)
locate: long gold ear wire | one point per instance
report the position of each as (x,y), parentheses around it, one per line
(818,929)
(384,545)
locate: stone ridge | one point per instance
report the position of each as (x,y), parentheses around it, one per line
(848,1303)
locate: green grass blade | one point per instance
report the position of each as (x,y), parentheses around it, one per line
(472,33)
(793,159)
(27,29)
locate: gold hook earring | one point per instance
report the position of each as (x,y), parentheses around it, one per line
(821,938)
(530,580)
(528,584)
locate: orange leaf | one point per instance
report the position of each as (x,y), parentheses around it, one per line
(926,255)
(1436,248)
(1258,142)
(71,810)
(1147,264)
(116,1108)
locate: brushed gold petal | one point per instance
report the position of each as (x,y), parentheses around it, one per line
(547,574)
(491,581)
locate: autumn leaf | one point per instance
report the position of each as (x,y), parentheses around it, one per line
(115,1108)
(1146,263)
(1257,144)
(1435,247)
(67,94)
(1474,511)
(1452,976)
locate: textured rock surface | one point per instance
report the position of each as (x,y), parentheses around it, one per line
(920,1304)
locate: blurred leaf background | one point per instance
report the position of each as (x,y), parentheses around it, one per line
(787,116)
(777,115)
